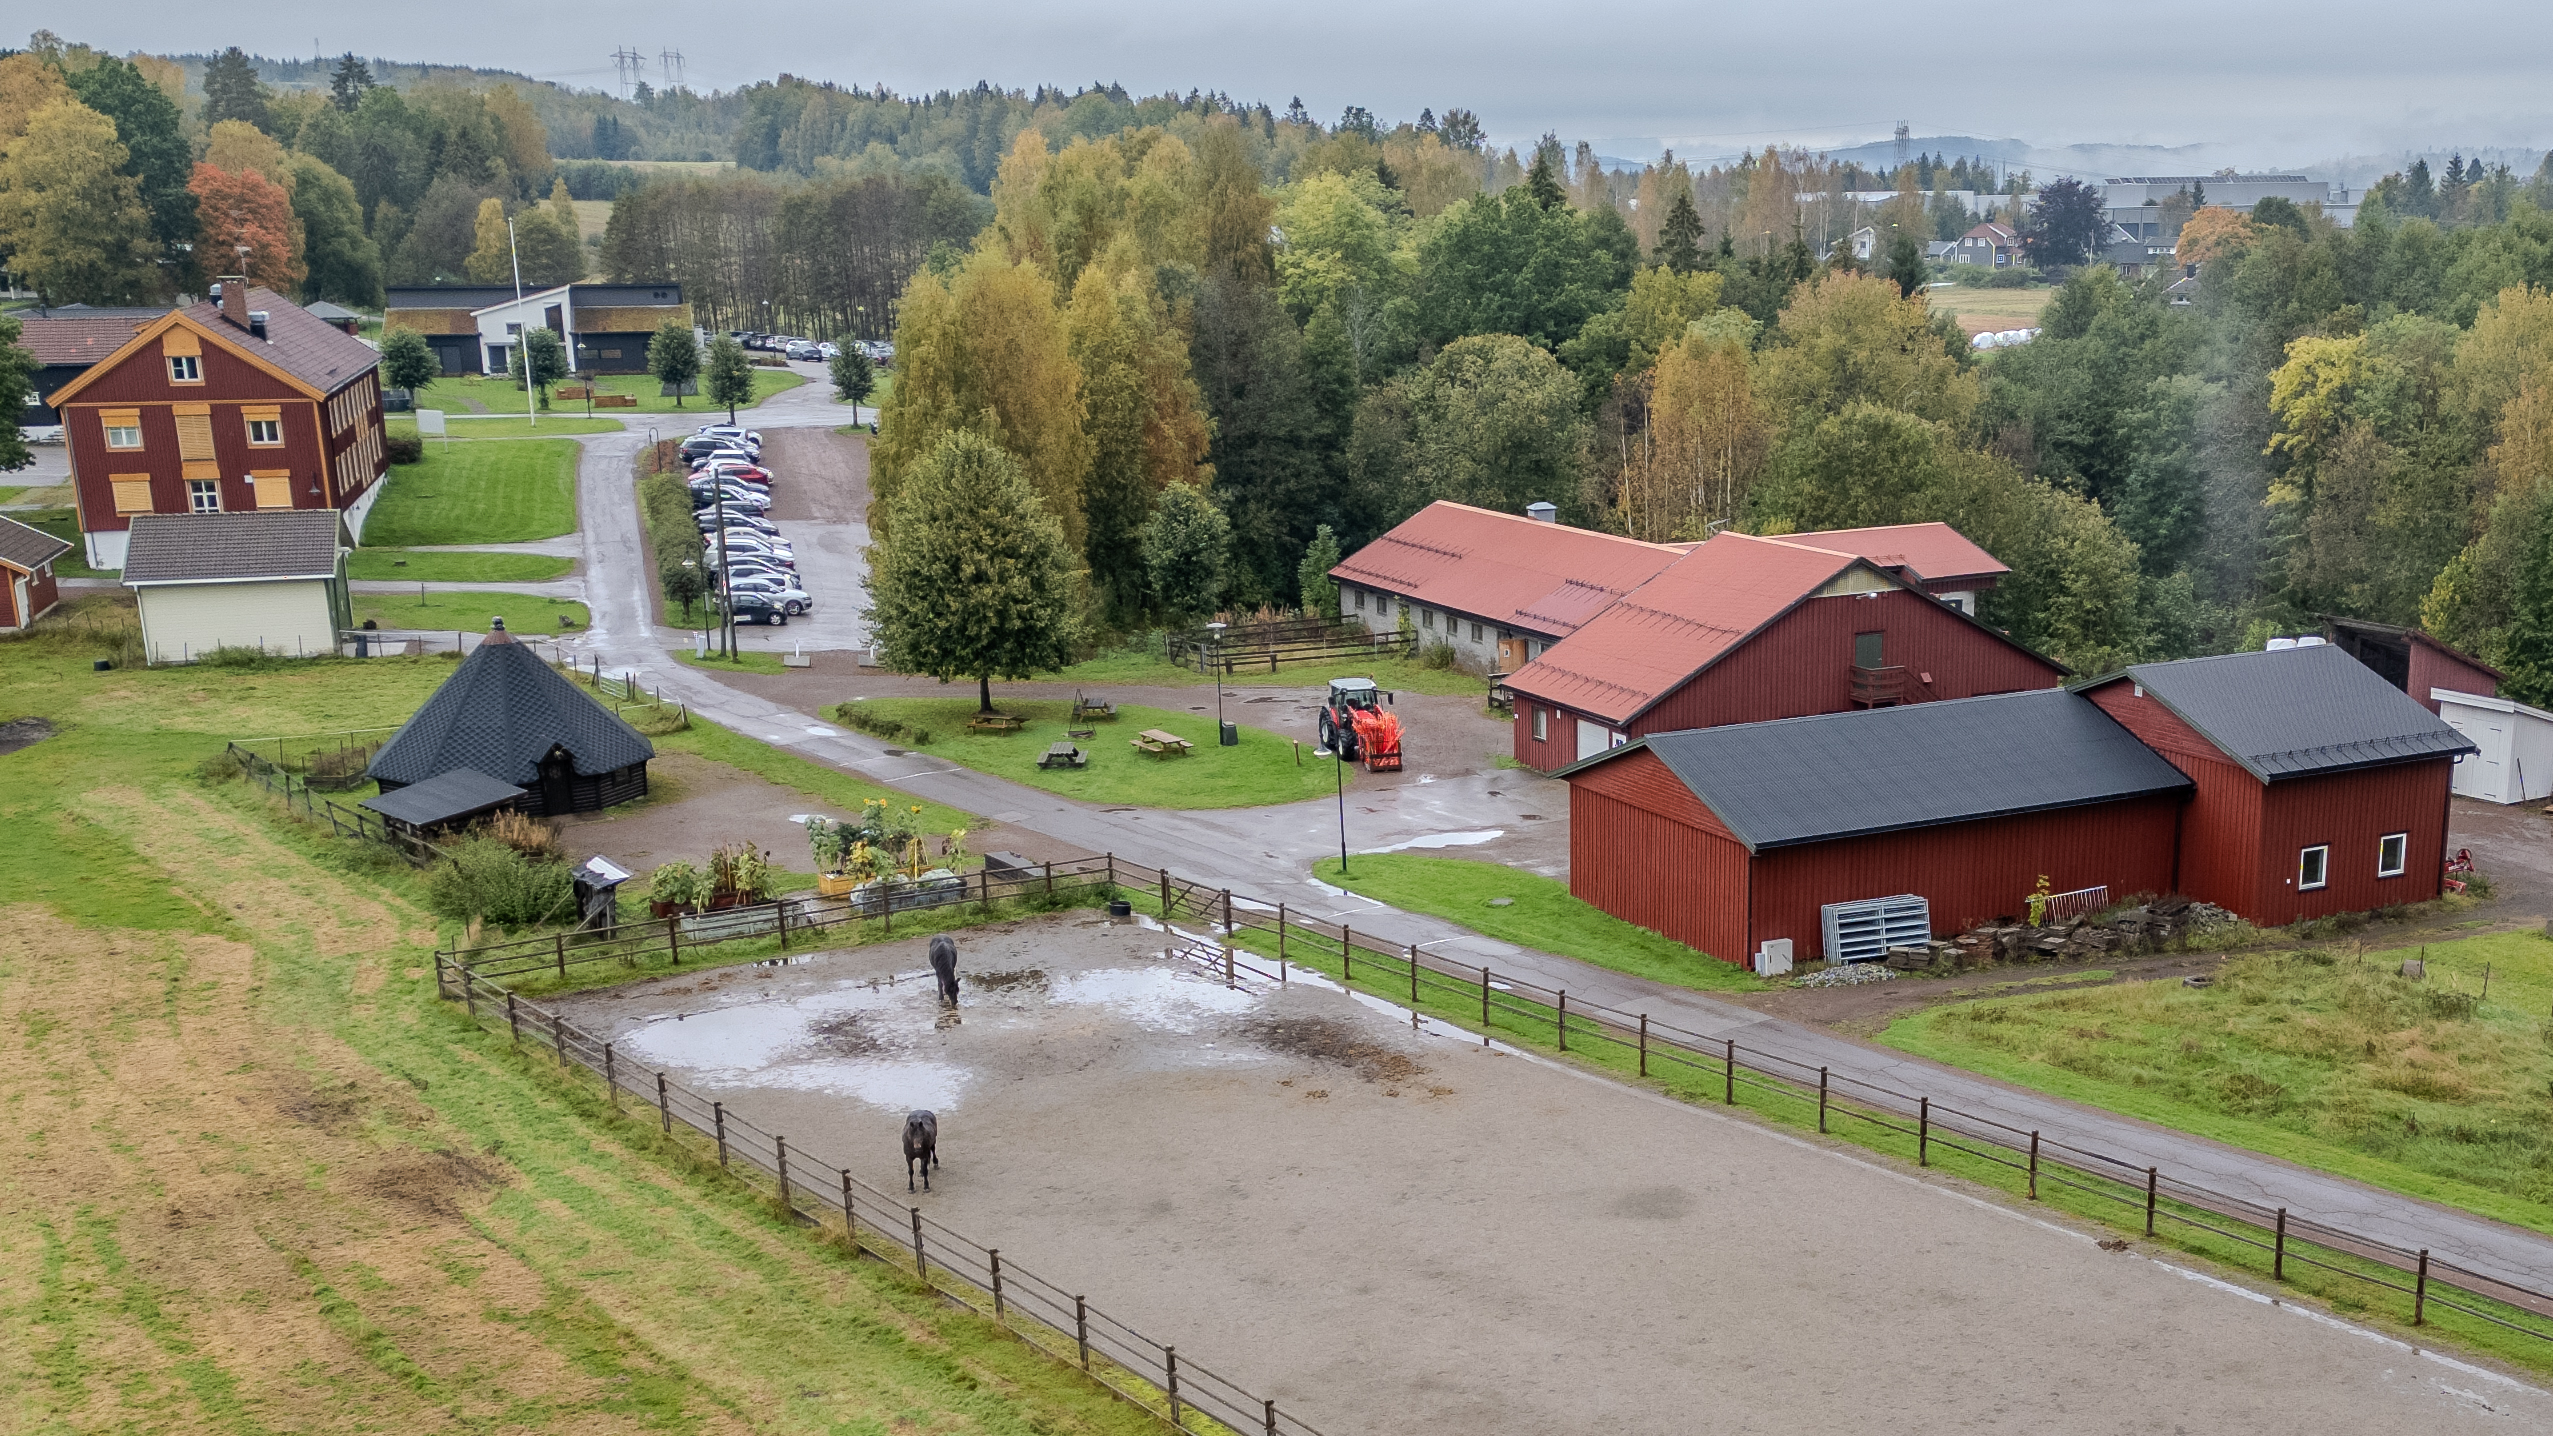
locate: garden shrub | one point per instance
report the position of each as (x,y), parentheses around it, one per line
(482,878)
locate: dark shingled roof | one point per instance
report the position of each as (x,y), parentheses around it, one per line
(501,712)
(28,549)
(461,793)
(298,342)
(1841,775)
(2292,711)
(254,544)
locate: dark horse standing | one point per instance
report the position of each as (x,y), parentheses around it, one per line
(922,1143)
(944,962)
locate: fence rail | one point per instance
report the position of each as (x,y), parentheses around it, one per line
(1248,941)
(1186,1394)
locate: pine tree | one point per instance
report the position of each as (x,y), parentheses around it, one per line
(232,91)
(974,578)
(1680,235)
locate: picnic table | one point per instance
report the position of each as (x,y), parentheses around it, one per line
(1159,743)
(1087,709)
(996,723)
(1063,755)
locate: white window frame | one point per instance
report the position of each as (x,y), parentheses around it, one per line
(185,369)
(2401,844)
(112,430)
(1542,725)
(2321,852)
(198,490)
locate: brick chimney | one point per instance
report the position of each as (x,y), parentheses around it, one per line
(235,299)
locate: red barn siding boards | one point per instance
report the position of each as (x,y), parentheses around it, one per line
(1644,849)
(1971,873)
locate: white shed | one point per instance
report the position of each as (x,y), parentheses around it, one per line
(2516,761)
(269,578)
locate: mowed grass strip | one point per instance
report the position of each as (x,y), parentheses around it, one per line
(1263,769)
(1538,912)
(414,566)
(478,493)
(2326,1058)
(524,613)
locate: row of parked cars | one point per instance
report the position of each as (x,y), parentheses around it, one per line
(753,572)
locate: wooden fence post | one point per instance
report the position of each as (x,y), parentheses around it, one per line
(664,1109)
(2278,1252)
(1170,1366)
(2420,1292)
(1644,1044)
(1821,1101)
(2153,1179)
(718,1116)
(921,1263)
(611,1083)
(513,1022)
(995,1253)
(1081,1330)
(850,1223)
(1923,1134)
(2034,1166)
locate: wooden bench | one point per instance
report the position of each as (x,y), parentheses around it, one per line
(1064,755)
(1160,744)
(996,723)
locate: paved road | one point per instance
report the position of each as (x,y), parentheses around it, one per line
(1264,852)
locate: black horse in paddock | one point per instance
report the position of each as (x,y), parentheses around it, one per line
(944,962)
(922,1143)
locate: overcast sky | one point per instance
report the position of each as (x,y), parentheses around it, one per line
(2288,83)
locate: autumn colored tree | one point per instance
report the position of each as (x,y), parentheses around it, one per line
(71,220)
(248,210)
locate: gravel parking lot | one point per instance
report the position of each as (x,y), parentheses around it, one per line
(1392,1231)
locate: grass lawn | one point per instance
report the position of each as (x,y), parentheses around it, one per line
(567,420)
(248,1113)
(420,567)
(1138,666)
(64,524)
(479,493)
(1260,771)
(1540,914)
(2324,1058)
(468,612)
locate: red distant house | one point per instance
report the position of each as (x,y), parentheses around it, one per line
(1498,588)
(2412,660)
(248,403)
(2320,788)
(27,590)
(1745,630)
(1725,838)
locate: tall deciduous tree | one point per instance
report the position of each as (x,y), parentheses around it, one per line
(673,357)
(1186,549)
(973,579)
(249,211)
(729,375)
(232,90)
(71,219)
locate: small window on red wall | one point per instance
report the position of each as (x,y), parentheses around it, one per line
(2313,868)
(2393,854)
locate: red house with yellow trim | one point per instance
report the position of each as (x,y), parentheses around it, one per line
(246,401)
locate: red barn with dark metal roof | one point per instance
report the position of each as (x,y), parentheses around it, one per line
(1745,630)
(2320,788)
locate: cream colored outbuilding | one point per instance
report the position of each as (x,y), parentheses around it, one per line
(181,622)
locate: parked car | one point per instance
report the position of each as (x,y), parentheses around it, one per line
(757,608)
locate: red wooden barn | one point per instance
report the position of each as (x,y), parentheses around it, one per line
(1725,838)
(1745,629)
(2320,787)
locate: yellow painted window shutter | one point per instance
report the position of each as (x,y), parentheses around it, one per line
(194,432)
(132,493)
(181,340)
(274,488)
